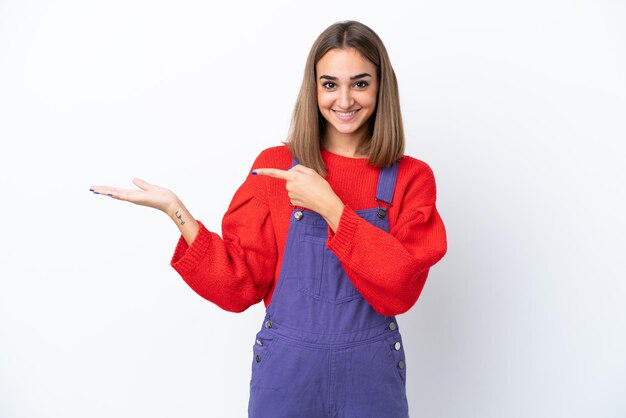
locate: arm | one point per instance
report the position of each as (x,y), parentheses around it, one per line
(390,268)
(236,270)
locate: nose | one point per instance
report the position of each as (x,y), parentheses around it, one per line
(345,99)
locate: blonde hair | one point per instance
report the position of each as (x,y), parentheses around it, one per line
(386,134)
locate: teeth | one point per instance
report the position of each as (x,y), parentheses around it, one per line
(345,115)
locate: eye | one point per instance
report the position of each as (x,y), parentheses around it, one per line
(329,85)
(361,84)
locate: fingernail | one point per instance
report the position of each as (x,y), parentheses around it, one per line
(91,190)
(254,172)
(96,193)
(110,195)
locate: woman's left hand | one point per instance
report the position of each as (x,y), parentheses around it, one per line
(306,188)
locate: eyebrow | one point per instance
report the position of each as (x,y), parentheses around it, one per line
(330,77)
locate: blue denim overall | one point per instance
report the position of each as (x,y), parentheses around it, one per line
(322,350)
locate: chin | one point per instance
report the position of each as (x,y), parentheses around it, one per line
(346,129)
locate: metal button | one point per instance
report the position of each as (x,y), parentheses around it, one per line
(259,342)
(257,358)
(298,215)
(268,324)
(381,213)
(392,326)
(397,346)
(401,364)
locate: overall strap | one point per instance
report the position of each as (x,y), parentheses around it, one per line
(387,183)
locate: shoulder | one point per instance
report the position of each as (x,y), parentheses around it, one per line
(274,157)
(414,166)
(417,180)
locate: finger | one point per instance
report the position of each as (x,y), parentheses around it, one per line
(142,184)
(272,172)
(114,192)
(127,195)
(102,190)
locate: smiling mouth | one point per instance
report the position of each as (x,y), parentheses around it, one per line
(345,115)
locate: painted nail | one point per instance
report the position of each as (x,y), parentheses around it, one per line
(96,193)
(110,195)
(254,172)
(91,190)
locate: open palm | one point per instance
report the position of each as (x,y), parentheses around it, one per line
(147,194)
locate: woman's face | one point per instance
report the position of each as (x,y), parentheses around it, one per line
(347,87)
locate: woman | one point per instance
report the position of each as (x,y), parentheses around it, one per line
(335,231)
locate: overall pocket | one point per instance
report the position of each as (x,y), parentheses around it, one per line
(321,274)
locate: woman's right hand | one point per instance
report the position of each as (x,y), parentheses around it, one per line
(148,194)
(156,197)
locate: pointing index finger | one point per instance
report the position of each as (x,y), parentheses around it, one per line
(271,172)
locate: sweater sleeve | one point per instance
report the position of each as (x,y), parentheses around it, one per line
(390,268)
(236,271)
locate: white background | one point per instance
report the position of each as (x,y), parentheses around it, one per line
(518,107)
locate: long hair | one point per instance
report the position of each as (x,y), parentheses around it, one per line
(386,134)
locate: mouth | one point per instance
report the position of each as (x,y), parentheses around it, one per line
(345,115)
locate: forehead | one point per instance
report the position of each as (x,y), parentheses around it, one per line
(344,63)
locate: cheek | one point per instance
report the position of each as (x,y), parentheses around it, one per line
(324,101)
(369,100)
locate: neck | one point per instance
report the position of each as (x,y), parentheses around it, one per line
(346,145)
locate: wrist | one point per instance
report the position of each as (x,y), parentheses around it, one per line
(173,206)
(186,223)
(176,212)
(332,212)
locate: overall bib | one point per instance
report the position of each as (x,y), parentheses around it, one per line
(322,350)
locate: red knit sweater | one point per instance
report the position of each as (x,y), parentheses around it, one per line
(389,269)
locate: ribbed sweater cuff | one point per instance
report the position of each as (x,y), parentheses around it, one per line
(340,242)
(187,257)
